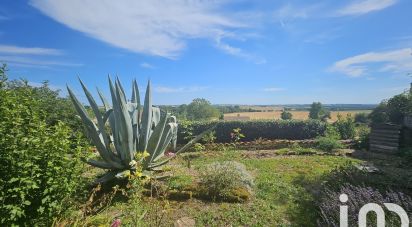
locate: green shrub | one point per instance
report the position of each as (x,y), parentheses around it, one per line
(345,127)
(40,165)
(265,129)
(222,180)
(286,115)
(362,137)
(332,132)
(328,144)
(198,147)
(362,118)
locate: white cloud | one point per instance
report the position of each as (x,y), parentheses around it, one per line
(273,89)
(163,89)
(21,61)
(390,61)
(154,27)
(146,65)
(238,52)
(9,49)
(365,6)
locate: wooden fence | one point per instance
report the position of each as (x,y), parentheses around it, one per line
(384,138)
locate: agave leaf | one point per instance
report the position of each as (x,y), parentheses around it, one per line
(93,132)
(155,139)
(121,88)
(136,127)
(185,147)
(99,164)
(116,121)
(107,115)
(104,100)
(125,128)
(100,120)
(146,120)
(106,177)
(135,94)
(165,140)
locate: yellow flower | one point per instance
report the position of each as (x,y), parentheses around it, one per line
(146,154)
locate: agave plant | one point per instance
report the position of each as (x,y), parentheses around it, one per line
(135,131)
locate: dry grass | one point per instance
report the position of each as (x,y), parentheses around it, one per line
(298,115)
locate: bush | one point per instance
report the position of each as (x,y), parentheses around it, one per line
(40,166)
(362,118)
(362,137)
(358,196)
(328,144)
(222,180)
(265,129)
(285,115)
(345,127)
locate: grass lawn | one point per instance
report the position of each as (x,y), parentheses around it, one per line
(284,194)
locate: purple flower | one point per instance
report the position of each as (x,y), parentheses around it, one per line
(116,223)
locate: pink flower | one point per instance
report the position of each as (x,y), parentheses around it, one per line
(116,223)
(169,154)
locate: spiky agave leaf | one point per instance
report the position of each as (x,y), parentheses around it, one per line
(146,122)
(94,133)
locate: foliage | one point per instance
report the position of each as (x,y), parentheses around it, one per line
(40,164)
(393,110)
(328,144)
(362,118)
(362,137)
(358,196)
(201,109)
(286,115)
(345,127)
(138,135)
(265,129)
(236,135)
(198,147)
(332,132)
(220,179)
(317,112)
(209,138)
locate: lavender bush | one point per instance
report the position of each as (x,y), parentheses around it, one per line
(359,196)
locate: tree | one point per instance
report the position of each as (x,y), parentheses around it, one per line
(345,127)
(318,112)
(201,109)
(286,115)
(393,110)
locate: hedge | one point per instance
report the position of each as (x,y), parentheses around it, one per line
(265,129)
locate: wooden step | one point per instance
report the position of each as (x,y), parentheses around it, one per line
(386,126)
(383,147)
(381,131)
(384,143)
(381,138)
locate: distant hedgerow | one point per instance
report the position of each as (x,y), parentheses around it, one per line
(265,129)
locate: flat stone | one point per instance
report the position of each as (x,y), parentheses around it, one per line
(185,222)
(368,168)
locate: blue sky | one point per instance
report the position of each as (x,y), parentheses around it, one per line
(228,51)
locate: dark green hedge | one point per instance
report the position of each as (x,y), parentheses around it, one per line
(266,129)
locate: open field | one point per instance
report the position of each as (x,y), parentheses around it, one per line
(299,115)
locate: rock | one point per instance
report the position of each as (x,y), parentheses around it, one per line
(368,168)
(185,222)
